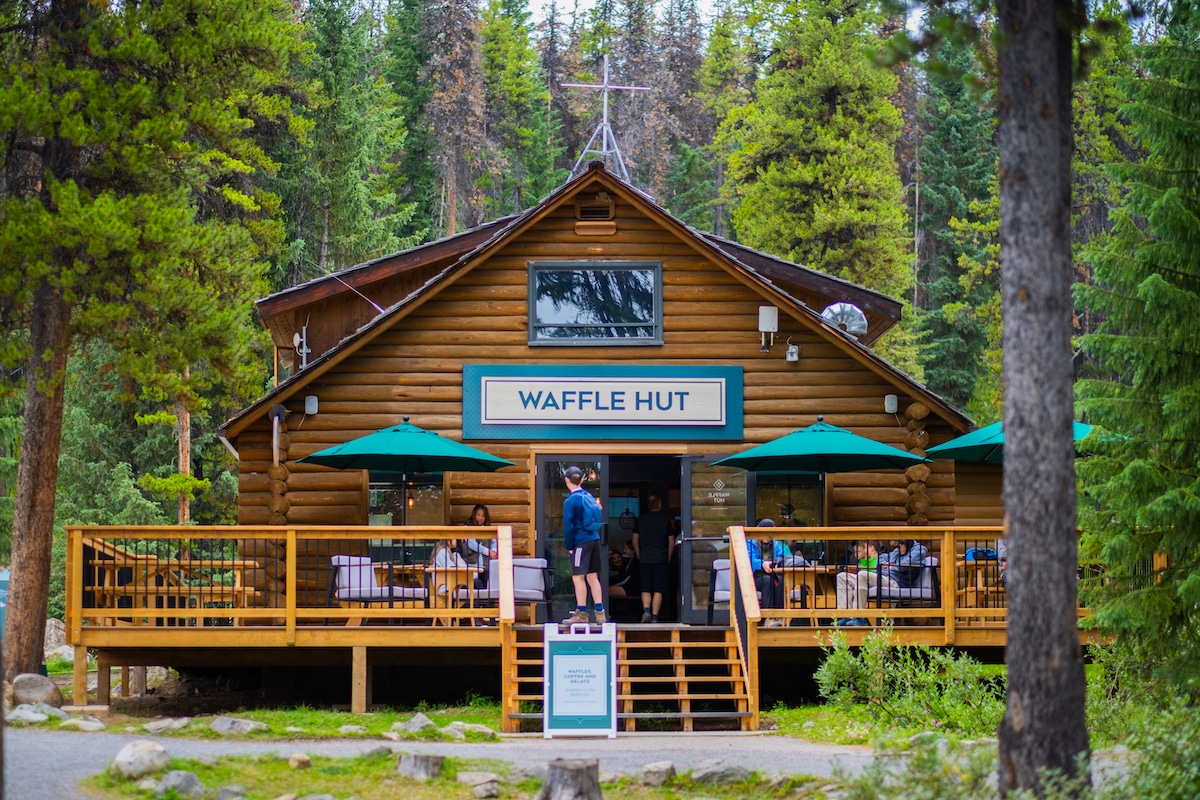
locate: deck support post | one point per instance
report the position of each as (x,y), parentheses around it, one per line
(79,677)
(360,689)
(126,670)
(103,684)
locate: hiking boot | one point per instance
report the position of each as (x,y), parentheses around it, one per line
(601,618)
(576,617)
(645,617)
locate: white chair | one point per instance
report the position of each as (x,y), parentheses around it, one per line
(719,586)
(924,590)
(531,584)
(353,584)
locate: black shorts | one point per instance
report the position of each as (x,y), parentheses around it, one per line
(585,558)
(656,578)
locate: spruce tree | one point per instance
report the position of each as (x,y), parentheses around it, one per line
(958,161)
(1141,507)
(132,214)
(519,121)
(811,160)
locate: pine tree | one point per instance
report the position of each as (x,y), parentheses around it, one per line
(561,63)
(406,56)
(518,113)
(726,81)
(811,159)
(455,112)
(131,216)
(958,161)
(340,209)
(1142,487)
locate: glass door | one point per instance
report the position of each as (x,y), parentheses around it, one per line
(713,498)
(552,490)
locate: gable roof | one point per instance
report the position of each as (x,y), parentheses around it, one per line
(788,285)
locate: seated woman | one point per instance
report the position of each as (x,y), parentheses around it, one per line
(479,551)
(448,566)
(623,574)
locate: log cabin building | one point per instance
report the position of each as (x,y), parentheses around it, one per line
(594,329)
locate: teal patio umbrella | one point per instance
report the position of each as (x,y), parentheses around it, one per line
(407,450)
(986,445)
(821,448)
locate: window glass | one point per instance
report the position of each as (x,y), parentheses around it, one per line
(594,303)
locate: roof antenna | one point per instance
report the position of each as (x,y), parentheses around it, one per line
(608,149)
(374,305)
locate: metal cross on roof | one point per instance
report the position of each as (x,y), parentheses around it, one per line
(604,133)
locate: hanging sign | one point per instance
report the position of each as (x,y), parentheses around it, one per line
(570,401)
(579,681)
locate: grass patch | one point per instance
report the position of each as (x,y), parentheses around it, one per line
(375,778)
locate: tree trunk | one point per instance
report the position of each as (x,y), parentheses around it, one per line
(37,474)
(572,779)
(1043,725)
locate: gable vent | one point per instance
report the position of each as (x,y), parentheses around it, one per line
(595,208)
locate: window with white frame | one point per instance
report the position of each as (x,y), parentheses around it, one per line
(595,303)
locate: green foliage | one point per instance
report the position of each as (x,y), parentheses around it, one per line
(811,161)
(1166,762)
(933,768)
(519,122)
(958,166)
(912,686)
(1140,508)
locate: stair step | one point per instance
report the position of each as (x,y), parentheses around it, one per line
(670,662)
(636,697)
(676,679)
(683,714)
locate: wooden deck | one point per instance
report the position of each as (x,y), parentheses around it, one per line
(261,596)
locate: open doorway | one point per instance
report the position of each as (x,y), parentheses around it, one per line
(632,481)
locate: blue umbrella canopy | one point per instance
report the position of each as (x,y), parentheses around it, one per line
(986,445)
(821,448)
(409,450)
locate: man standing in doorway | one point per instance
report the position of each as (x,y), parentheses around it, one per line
(583,543)
(654,545)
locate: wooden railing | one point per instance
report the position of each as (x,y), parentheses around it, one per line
(962,591)
(204,577)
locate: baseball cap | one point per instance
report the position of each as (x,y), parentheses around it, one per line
(787,510)
(574,473)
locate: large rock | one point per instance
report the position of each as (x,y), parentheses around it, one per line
(166,724)
(230,725)
(56,635)
(714,770)
(140,758)
(657,773)
(30,689)
(418,723)
(184,784)
(84,723)
(25,713)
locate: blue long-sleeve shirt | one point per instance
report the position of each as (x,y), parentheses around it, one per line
(574,515)
(779,552)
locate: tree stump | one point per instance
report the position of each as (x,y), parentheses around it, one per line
(421,766)
(572,779)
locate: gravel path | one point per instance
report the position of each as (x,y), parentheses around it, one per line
(44,764)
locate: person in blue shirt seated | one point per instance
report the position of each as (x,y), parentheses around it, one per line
(765,556)
(904,561)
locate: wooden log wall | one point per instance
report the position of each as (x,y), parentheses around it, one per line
(711,318)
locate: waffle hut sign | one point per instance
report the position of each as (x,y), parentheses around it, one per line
(627,402)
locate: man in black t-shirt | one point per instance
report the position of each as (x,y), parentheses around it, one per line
(654,545)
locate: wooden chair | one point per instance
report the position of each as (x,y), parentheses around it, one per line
(353,584)
(531,586)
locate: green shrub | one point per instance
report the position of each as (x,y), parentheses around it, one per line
(912,686)
(1165,764)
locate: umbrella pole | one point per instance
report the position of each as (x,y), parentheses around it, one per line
(404,498)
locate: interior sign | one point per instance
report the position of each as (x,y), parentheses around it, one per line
(571,401)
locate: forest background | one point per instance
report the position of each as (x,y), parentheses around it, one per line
(780,125)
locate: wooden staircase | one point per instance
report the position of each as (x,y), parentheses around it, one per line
(669,678)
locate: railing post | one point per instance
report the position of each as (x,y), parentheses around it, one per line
(74,599)
(291,587)
(949,583)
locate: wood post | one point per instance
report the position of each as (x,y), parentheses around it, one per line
(79,676)
(360,687)
(572,779)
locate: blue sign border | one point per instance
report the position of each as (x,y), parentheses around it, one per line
(576,647)
(473,428)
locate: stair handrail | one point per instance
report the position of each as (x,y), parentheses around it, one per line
(741,579)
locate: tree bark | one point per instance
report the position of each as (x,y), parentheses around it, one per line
(37,476)
(572,779)
(1043,725)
